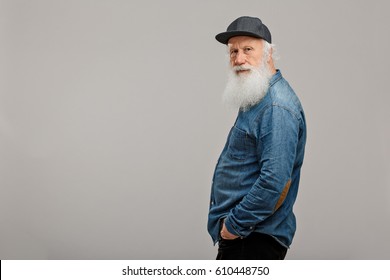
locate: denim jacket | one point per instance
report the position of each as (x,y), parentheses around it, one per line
(255,183)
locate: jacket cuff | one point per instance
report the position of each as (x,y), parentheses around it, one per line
(235,229)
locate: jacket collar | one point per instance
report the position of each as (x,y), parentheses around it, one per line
(276,77)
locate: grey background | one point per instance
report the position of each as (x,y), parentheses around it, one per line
(111,123)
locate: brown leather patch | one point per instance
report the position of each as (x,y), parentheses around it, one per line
(283,195)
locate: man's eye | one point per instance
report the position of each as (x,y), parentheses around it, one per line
(248,49)
(233,53)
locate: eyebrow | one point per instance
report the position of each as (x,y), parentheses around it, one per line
(230,49)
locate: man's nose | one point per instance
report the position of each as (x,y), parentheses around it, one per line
(240,59)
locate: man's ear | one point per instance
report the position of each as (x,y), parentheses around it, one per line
(269,60)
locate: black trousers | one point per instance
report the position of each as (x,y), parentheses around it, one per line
(256,246)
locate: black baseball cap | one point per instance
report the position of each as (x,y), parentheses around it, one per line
(245,26)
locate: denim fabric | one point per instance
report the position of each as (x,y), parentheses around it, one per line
(255,183)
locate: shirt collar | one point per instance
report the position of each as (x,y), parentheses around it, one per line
(276,77)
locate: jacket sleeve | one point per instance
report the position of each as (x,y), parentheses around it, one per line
(278,133)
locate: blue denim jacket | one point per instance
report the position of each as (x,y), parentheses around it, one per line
(256,179)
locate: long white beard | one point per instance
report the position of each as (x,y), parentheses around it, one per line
(246,89)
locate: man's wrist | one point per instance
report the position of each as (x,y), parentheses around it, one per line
(226,234)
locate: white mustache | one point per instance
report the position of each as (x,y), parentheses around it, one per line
(243,68)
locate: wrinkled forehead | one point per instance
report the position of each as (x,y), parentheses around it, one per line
(241,41)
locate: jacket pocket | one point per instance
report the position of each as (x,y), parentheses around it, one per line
(241,145)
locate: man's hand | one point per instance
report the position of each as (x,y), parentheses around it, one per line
(225,234)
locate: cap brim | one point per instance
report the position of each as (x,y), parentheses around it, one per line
(225,36)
